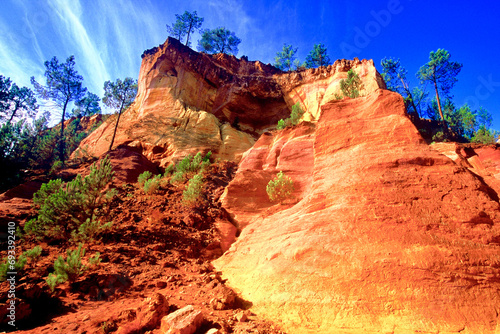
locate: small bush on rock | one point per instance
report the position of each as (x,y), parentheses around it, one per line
(12,265)
(280,188)
(294,119)
(350,87)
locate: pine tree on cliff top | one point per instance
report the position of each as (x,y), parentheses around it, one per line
(219,40)
(185,24)
(442,73)
(285,58)
(318,57)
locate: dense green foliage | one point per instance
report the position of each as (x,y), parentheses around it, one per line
(87,106)
(280,188)
(352,86)
(63,86)
(72,210)
(190,165)
(27,143)
(455,123)
(285,59)
(184,25)
(294,118)
(70,268)
(16,102)
(119,95)
(219,40)
(318,57)
(143,177)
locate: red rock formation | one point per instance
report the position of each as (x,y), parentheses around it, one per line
(189,102)
(390,236)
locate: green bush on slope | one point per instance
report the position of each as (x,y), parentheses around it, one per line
(72,210)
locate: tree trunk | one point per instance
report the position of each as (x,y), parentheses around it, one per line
(62,142)
(439,105)
(408,92)
(189,33)
(116,127)
(13,114)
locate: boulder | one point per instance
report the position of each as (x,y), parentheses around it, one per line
(187,320)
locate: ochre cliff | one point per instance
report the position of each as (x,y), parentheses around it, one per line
(388,235)
(189,102)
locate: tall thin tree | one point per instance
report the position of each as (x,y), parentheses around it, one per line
(185,24)
(63,86)
(395,78)
(442,73)
(119,95)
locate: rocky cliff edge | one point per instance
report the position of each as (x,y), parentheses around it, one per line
(189,102)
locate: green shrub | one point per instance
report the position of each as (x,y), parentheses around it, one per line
(19,264)
(169,170)
(438,136)
(144,177)
(12,265)
(193,192)
(281,124)
(350,87)
(151,185)
(190,165)
(280,188)
(34,253)
(90,229)
(485,136)
(70,268)
(63,208)
(294,119)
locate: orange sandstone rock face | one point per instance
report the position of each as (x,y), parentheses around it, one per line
(389,235)
(290,151)
(189,102)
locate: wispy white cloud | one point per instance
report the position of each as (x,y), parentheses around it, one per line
(73,32)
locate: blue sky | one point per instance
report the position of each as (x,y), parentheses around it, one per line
(108,37)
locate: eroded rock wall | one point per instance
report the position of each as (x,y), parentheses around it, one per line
(189,102)
(390,237)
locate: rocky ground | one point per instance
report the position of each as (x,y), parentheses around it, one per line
(156,260)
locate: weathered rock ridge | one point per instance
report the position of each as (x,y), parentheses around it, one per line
(388,235)
(189,102)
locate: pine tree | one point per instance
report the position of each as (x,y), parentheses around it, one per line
(219,40)
(119,95)
(63,86)
(185,24)
(442,73)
